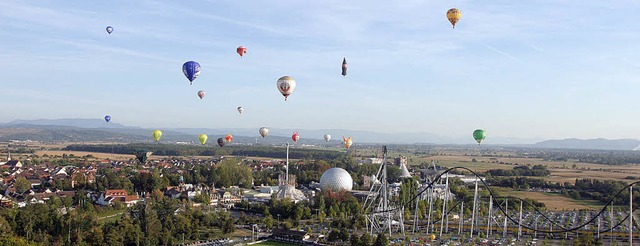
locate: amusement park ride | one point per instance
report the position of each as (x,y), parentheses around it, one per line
(384,215)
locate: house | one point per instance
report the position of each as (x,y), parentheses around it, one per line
(13,164)
(290,236)
(121,195)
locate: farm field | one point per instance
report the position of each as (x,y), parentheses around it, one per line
(560,171)
(553,202)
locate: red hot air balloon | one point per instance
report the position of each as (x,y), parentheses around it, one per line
(228,138)
(295,137)
(241,50)
(201,94)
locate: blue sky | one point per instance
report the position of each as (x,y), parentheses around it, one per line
(531,69)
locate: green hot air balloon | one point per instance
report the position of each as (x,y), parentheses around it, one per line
(203,138)
(479,135)
(157,134)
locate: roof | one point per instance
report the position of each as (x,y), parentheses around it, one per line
(289,232)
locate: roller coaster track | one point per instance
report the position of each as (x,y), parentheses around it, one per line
(502,209)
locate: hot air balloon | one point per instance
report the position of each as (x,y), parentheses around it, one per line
(221,142)
(347,142)
(454,16)
(201,94)
(295,137)
(344,66)
(240,110)
(286,85)
(203,138)
(109,29)
(327,137)
(479,135)
(107,118)
(241,50)
(264,131)
(228,138)
(191,69)
(157,134)
(433,237)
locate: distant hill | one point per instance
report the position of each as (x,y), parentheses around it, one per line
(97,130)
(83,123)
(598,143)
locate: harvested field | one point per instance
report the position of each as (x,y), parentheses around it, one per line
(553,202)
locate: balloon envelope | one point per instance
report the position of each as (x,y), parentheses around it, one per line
(295,137)
(241,50)
(220,142)
(454,16)
(228,138)
(347,142)
(109,29)
(479,135)
(157,134)
(344,66)
(203,138)
(264,131)
(240,110)
(286,85)
(191,70)
(107,118)
(327,137)
(201,94)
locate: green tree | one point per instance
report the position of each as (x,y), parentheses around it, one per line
(381,240)
(365,239)
(22,185)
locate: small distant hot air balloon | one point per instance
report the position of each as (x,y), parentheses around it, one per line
(454,16)
(109,29)
(201,94)
(240,110)
(286,85)
(327,137)
(295,137)
(479,135)
(347,142)
(220,142)
(433,237)
(264,131)
(157,134)
(241,50)
(228,138)
(344,66)
(191,69)
(107,118)
(203,138)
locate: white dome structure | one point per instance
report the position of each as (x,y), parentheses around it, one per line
(336,179)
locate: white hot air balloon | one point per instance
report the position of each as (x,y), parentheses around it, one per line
(327,137)
(264,131)
(240,110)
(286,85)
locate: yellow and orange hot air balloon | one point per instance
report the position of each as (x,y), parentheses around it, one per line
(347,142)
(228,138)
(454,16)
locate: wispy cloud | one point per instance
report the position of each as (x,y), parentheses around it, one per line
(502,53)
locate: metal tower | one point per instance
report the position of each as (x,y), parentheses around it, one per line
(382,216)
